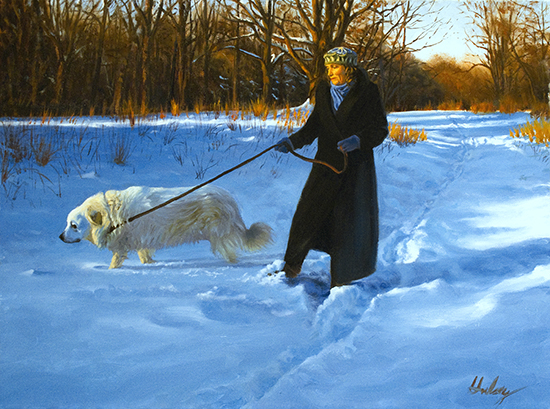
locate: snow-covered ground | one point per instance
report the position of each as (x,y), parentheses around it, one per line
(461,290)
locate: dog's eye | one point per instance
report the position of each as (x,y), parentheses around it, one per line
(74,226)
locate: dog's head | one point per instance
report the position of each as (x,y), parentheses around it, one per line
(89,221)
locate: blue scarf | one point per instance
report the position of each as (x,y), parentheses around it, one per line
(338,93)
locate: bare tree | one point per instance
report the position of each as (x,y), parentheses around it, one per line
(378,30)
(101,21)
(389,38)
(236,60)
(18,31)
(531,50)
(148,16)
(63,23)
(180,14)
(259,19)
(118,51)
(310,28)
(206,17)
(496,33)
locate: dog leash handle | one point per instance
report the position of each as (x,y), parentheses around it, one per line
(320,162)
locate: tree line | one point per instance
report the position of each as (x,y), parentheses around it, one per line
(512,71)
(117,56)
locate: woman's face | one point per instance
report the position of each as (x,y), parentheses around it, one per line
(337,74)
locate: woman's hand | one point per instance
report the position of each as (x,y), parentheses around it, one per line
(284,145)
(349,144)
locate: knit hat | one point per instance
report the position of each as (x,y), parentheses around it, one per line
(341,55)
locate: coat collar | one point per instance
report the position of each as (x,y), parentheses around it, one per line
(347,104)
(352,97)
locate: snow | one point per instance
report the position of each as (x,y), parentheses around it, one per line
(461,290)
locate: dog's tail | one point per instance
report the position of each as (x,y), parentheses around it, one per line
(257,236)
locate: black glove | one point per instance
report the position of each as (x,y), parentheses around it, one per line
(350,144)
(284,145)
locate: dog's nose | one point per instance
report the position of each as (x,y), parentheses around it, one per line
(62,236)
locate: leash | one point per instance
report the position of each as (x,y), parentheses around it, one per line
(320,162)
(240,165)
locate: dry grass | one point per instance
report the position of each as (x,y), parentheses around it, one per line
(483,108)
(405,136)
(540,110)
(43,149)
(198,108)
(121,147)
(290,118)
(5,168)
(175,108)
(537,136)
(19,150)
(259,108)
(451,106)
(508,105)
(13,143)
(537,132)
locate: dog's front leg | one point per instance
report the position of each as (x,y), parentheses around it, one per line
(118,259)
(146,256)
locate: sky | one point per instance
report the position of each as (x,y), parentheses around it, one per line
(451,38)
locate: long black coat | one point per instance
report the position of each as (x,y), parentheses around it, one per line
(338,214)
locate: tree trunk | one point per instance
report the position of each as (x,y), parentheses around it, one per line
(236,61)
(99,55)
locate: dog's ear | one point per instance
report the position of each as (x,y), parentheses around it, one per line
(95,217)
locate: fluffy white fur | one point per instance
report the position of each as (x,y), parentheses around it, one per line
(209,213)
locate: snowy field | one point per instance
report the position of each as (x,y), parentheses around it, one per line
(461,290)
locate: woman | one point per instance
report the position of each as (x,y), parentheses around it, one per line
(338,214)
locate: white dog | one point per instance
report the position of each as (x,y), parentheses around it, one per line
(210,213)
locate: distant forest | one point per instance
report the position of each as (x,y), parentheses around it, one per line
(112,57)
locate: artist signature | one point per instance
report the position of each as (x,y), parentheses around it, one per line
(492,390)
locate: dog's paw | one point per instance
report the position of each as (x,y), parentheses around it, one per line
(117,260)
(146,256)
